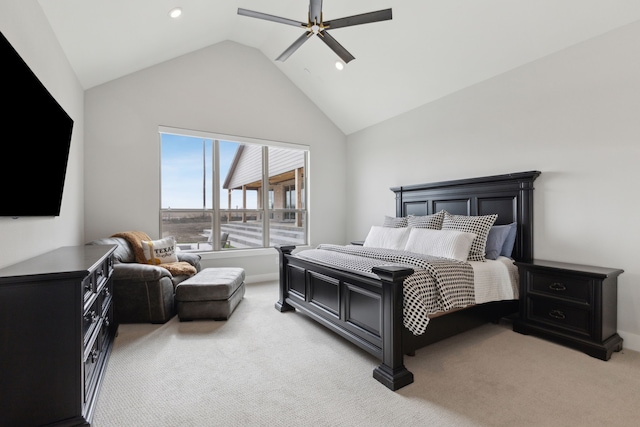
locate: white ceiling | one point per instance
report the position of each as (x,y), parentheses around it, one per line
(429,49)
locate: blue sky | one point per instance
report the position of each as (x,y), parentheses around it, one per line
(183,171)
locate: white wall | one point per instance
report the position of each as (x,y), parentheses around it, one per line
(574,115)
(23,23)
(227,89)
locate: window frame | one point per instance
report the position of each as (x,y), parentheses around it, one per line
(263,209)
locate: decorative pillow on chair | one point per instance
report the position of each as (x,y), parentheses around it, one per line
(433,222)
(161,251)
(479,225)
(393,222)
(387,237)
(441,243)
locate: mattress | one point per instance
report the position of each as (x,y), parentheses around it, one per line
(495,280)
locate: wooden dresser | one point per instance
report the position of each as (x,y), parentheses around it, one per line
(572,304)
(56,333)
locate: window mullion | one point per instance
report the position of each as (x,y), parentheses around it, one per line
(305,207)
(215,227)
(265,197)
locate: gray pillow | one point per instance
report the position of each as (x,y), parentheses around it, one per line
(495,240)
(507,247)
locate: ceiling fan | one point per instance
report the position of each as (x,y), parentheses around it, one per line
(316,25)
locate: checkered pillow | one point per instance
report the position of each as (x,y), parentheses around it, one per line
(432,222)
(480,225)
(393,222)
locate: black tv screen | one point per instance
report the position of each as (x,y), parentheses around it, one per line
(36,137)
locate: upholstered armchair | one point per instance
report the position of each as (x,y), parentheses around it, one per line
(143,293)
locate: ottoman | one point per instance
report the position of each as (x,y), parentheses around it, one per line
(213,293)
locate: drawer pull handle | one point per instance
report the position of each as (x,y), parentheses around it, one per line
(92,317)
(555,286)
(557,314)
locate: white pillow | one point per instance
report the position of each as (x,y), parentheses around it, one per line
(441,243)
(387,237)
(161,251)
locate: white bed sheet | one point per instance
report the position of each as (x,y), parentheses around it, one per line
(495,280)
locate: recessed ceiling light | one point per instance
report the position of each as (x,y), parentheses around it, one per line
(175,12)
(339,65)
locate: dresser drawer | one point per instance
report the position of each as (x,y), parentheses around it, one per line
(108,266)
(107,325)
(91,359)
(91,317)
(89,287)
(105,296)
(101,274)
(561,286)
(569,317)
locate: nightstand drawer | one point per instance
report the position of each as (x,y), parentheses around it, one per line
(561,286)
(559,315)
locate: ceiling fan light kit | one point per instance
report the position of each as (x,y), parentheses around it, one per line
(316,25)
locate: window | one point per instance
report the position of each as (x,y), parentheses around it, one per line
(249,193)
(289,201)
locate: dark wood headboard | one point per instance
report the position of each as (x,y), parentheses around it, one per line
(510,196)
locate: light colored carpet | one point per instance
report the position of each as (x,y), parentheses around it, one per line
(266,368)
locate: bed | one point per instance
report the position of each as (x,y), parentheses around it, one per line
(368,309)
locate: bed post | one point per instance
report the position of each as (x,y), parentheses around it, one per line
(391,371)
(283,251)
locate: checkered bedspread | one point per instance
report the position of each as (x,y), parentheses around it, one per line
(437,284)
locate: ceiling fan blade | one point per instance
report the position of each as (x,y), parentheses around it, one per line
(365,18)
(296,44)
(273,18)
(315,11)
(336,47)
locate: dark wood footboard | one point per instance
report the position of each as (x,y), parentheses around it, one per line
(365,311)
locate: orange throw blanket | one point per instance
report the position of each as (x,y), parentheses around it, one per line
(135,239)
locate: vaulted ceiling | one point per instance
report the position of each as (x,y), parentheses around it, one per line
(431,48)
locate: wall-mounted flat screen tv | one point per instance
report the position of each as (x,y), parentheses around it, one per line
(36,136)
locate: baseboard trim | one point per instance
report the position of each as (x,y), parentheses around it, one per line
(258,278)
(631,341)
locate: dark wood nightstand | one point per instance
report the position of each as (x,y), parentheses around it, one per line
(572,304)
